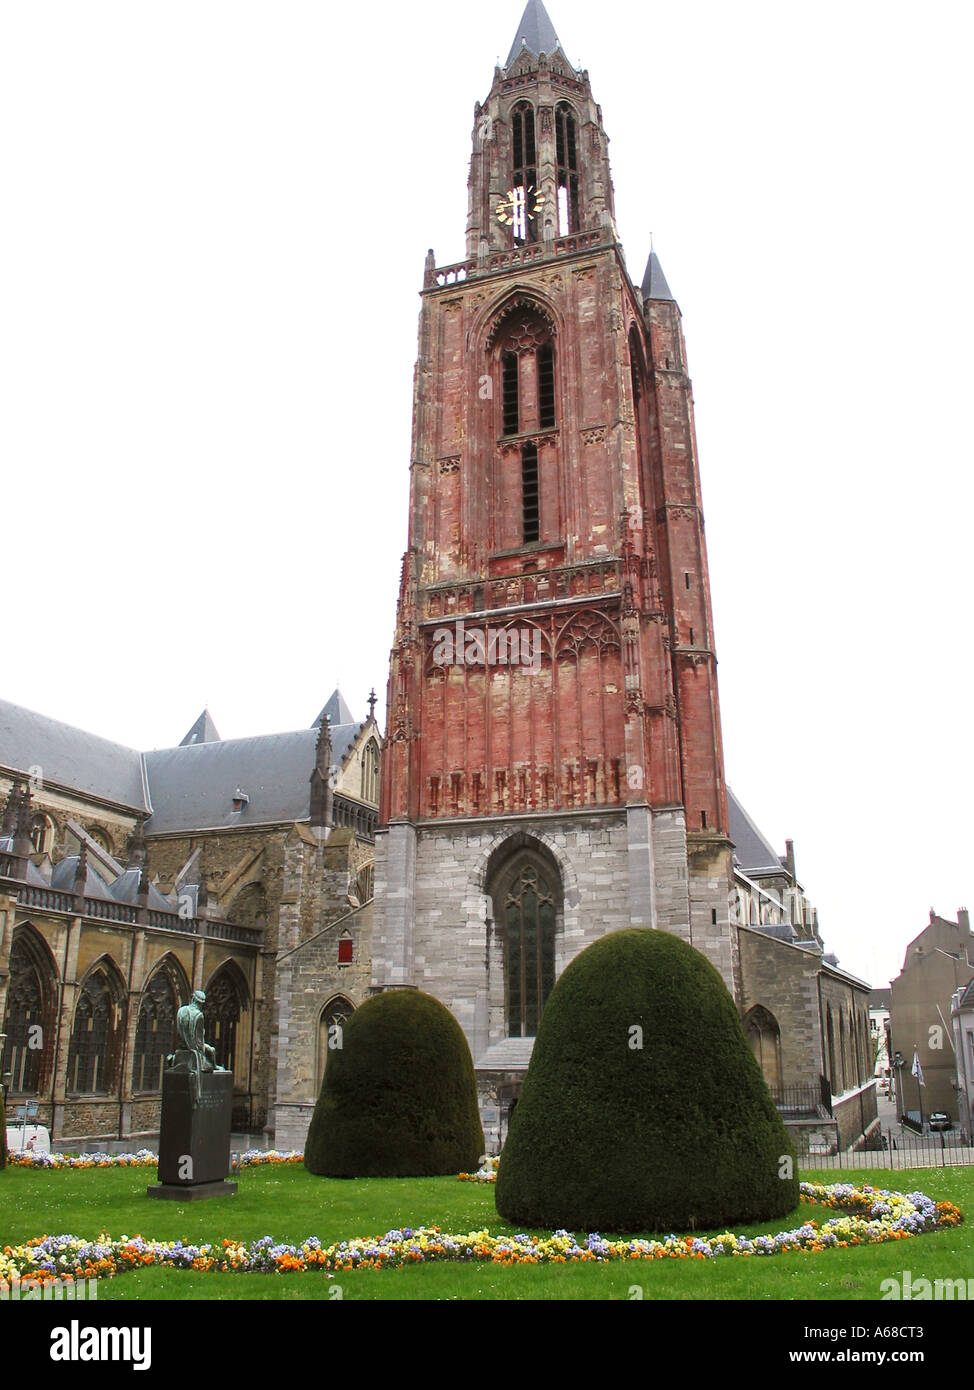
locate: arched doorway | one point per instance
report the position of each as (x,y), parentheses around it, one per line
(764,1036)
(330,1023)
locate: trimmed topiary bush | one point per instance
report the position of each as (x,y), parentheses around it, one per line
(677,1134)
(399,1097)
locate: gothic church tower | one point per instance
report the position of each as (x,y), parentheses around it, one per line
(553,767)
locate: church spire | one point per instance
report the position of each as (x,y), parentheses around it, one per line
(535,32)
(654,284)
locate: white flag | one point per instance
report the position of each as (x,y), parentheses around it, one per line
(916,1070)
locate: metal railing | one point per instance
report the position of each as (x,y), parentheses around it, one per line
(891,1149)
(798,1100)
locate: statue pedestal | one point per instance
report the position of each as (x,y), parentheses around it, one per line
(194,1135)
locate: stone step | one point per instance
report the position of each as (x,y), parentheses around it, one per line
(512,1054)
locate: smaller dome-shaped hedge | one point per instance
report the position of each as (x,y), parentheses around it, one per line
(399,1097)
(643,1108)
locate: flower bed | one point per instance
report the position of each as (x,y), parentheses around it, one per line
(870,1216)
(487,1172)
(144,1158)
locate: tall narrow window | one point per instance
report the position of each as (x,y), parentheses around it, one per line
(221,1014)
(155,1033)
(510,393)
(370,772)
(529,923)
(567,160)
(546,387)
(93,1052)
(529,492)
(40,833)
(330,1032)
(525,174)
(29,1018)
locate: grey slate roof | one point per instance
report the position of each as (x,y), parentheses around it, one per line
(654,284)
(751,850)
(181,789)
(203,731)
(125,889)
(193,785)
(70,757)
(62,878)
(536,32)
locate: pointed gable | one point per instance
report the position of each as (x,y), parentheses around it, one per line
(203,731)
(336,710)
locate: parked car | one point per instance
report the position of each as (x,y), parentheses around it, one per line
(940,1120)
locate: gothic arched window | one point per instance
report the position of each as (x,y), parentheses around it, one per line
(370,771)
(221,1014)
(41,833)
(527,912)
(527,362)
(101,838)
(29,1018)
(566,155)
(155,1033)
(330,1024)
(830,1044)
(524,176)
(842,1053)
(95,1048)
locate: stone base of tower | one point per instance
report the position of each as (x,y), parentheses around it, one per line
(711,880)
(439,928)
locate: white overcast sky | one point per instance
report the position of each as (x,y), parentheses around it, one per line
(214,220)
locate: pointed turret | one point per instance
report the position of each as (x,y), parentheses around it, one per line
(536,32)
(203,731)
(336,711)
(654,284)
(321,777)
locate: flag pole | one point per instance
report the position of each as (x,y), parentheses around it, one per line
(916,1063)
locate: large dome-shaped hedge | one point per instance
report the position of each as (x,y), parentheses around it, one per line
(678,1134)
(399,1097)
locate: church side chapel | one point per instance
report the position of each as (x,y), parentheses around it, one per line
(553,767)
(130,880)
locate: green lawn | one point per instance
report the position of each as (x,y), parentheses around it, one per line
(289,1204)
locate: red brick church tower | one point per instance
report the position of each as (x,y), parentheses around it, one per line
(553,767)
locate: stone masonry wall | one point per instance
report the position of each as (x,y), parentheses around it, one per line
(308,979)
(783,979)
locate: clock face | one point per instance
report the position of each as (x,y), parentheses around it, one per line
(520,204)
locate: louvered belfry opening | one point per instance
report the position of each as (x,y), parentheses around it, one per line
(529,492)
(566,154)
(524,179)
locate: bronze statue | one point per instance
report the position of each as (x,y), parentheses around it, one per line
(189,1026)
(195,1055)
